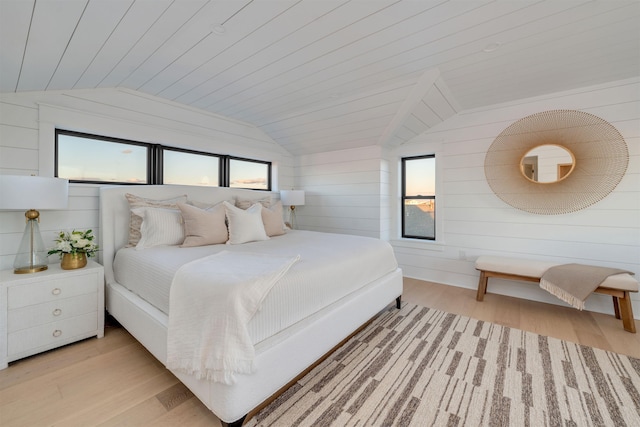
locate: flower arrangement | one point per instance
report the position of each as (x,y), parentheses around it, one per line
(75,242)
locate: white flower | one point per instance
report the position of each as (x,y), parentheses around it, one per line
(74,242)
(64,246)
(81,243)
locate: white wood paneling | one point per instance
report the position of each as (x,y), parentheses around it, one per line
(343,191)
(283,64)
(12,158)
(266,39)
(384,115)
(99,19)
(47,41)
(476,222)
(15,29)
(18,137)
(576,46)
(141,33)
(17,115)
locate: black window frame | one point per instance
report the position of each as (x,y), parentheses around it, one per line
(227,171)
(160,166)
(404,197)
(150,156)
(155,157)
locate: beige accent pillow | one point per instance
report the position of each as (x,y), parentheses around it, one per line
(203,226)
(135,221)
(246,204)
(272,219)
(245,225)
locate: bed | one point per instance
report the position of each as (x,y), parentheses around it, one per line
(336,285)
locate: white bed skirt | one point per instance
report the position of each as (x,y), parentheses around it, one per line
(279,359)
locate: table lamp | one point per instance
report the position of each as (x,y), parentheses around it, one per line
(292,198)
(30,193)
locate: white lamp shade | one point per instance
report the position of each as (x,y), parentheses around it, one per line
(292,197)
(23,192)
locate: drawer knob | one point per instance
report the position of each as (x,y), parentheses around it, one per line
(56,291)
(57,333)
(57,312)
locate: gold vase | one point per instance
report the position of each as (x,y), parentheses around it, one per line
(73,261)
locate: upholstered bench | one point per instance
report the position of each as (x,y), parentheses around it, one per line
(618,286)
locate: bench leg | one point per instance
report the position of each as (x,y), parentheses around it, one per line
(482,286)
(626,312)
(616,307)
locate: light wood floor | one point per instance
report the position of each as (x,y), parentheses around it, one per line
(114,381)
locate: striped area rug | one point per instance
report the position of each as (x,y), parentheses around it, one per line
(423,367)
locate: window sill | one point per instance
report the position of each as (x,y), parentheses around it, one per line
(429,245)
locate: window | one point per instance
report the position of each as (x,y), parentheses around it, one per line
(253,174)
(419,197)
(89,158)
(190,168)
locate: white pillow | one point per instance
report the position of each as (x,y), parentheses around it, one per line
(245,225)
(136,202)
(159,227)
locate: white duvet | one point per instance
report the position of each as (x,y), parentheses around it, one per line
(331,266)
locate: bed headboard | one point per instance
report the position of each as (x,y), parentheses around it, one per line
(114,211)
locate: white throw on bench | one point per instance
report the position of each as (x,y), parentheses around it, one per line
(618,286)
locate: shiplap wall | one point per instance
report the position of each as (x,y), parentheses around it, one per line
(28,121)
(476,222)
(343,191)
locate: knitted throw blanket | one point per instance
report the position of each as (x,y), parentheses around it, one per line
(573,283)
(212,300)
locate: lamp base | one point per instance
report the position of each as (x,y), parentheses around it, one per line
(292,217)
(27,270)
(32,255)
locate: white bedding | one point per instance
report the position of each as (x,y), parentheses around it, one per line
(335,263)
(207,335)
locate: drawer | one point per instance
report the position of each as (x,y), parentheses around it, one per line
(40,314)
(51,290)
(39,338)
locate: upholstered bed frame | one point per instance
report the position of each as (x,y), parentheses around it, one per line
(279,359)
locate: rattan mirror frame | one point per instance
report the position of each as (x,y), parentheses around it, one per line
(600,153)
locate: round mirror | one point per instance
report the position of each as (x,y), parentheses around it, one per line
(597,150)
(547,163)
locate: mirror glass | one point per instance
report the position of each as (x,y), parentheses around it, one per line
(547,163)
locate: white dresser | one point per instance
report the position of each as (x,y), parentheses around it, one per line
(45,310)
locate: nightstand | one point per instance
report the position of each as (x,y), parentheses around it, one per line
(45,310)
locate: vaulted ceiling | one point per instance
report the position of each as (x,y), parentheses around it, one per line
(320,75)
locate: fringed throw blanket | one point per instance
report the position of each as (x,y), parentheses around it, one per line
(573,283)
(212,300)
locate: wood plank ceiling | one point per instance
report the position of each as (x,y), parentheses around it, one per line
(320,75)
